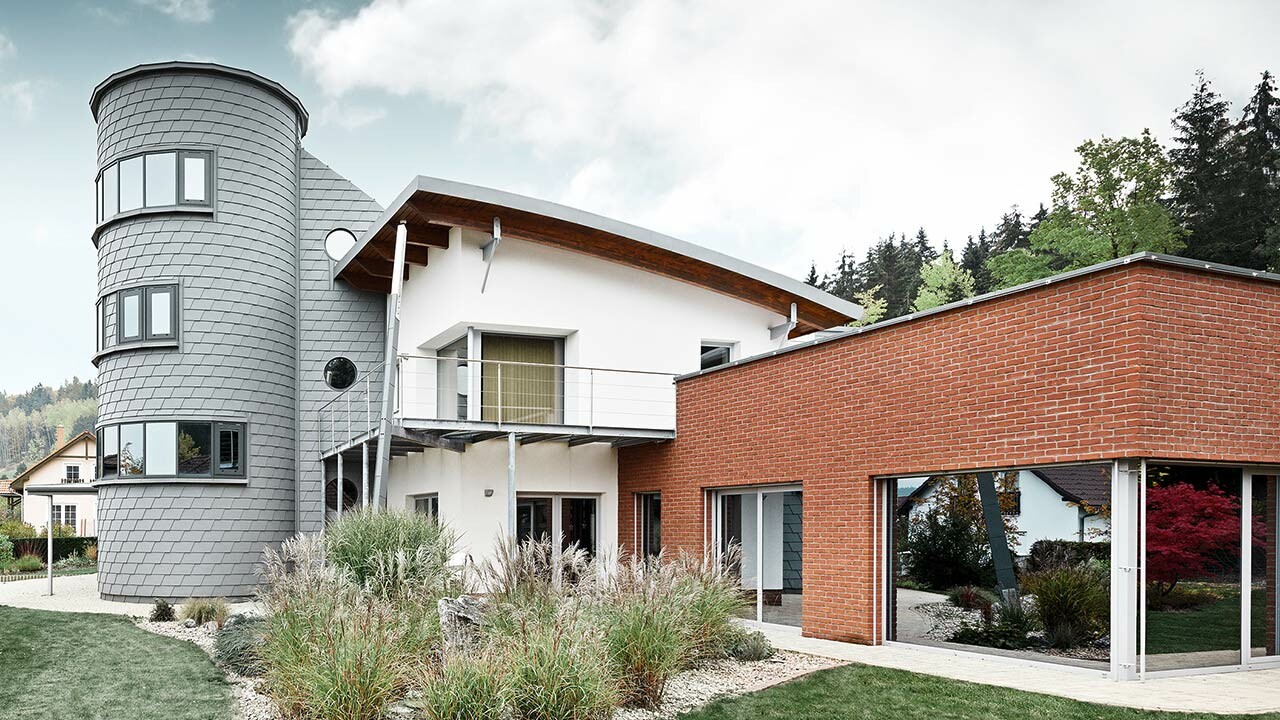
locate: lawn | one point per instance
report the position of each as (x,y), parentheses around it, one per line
(1215,626)
(71,665)
(861,691)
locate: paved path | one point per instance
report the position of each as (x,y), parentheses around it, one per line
(77,593)
(1257,691)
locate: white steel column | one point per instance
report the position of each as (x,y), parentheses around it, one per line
(759,557)
(511,487)
(49,547)
(1246,567)
(1126,576)
(383,467)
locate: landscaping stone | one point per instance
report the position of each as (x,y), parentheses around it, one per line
(945,619)
(189,623)
(460,621)
(210,626)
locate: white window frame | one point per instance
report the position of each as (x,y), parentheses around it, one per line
(717,527)
(557,511)
(67,473)
(729,346)
(433,498)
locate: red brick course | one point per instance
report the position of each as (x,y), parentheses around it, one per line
(1141,360)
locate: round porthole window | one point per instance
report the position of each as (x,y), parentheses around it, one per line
(338,243)
(350,495)
(339,373)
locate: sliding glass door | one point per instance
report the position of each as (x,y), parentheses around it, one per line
(759,534)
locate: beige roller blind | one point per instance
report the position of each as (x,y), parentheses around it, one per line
(530,393)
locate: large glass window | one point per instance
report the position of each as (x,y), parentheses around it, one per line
(132,451)
(147,313)
(188,448)
(195,178)
(759,535)
(131,184)
(520,380)
(573,519)
(162,179)
(650,511)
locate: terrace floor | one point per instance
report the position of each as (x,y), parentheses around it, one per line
(76,593)
(1224,693)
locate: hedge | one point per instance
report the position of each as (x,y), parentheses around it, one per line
(1050,554)
(62,547)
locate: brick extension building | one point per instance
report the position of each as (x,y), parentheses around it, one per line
(1148,358)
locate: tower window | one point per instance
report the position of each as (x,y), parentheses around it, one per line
(164,180)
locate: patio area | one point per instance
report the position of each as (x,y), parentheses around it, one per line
(76,593)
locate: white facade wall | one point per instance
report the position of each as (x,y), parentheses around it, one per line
(462,479)
(609,316)
(35,508)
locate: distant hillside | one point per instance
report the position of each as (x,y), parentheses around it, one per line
(28,421)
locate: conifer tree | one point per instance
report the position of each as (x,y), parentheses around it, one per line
(974,261)
(1202,188)
(1255,167)
(943,281)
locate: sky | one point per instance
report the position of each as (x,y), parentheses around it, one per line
(778,132)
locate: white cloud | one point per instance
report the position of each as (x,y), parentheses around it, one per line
(348,115)
(20,96)
(187,11)
(784,131)
(6,47)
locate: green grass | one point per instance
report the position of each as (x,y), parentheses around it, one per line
(65,666)
(861,691)
(1215,626)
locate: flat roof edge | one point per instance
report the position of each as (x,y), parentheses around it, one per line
(635,233)
(1150,257)
(182,66)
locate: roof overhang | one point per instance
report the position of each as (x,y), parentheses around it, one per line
(65,489)
(430,206)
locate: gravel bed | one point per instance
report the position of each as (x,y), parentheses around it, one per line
(694,688)
(686,691)
(250,703)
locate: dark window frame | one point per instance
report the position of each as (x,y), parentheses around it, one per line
(144,293)
(215,427)
(180,198)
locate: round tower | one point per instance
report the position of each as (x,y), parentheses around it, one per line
(197,196)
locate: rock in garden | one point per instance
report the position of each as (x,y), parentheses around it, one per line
(189,623)
(210,627)
(460,620)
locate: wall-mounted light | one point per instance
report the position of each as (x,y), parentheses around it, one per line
(488,492)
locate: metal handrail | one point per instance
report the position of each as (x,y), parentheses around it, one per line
(406,356)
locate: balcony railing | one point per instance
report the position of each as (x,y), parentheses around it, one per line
(442,393)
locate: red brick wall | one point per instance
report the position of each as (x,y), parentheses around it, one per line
(1138,360)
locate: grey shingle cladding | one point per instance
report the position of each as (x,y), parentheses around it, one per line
(240,270)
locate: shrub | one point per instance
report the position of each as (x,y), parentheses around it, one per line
(73,561)
(205,610)
(91,552)
(468,687)
(14,528)
(161,611)
(392,547)
(948,549)
(6,548)
(646,633)
(1008,627)
(556,673)
(29,563)
(749,646)
(1073,604)
(337,648)
(971,597)
(1053,554)
(712,597)
(239,644)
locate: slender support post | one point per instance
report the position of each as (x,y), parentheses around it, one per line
(759,557)
(337,501)
(511,485)
(49,547)
(383,467)
(499,366)
(364,475)
(996,536)
(591,400)
(1127,586)
(1246,568)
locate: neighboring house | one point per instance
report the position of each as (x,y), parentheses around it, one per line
(70,462)
(242,320)
(1051,503)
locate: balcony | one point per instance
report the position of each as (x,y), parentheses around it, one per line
(450,402)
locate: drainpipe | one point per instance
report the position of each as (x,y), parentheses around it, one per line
(511,485)
(383,466)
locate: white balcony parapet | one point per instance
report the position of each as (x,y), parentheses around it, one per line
(446,401)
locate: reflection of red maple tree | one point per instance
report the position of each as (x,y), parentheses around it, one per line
(1192,533)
